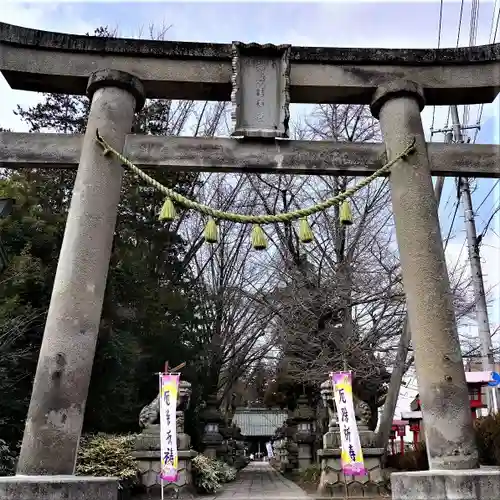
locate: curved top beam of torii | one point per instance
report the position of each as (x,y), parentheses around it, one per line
(55,62)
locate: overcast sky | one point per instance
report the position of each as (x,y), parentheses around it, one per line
(341,24)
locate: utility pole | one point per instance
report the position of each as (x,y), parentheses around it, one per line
(476,272)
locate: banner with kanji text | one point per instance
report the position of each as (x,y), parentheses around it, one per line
(169,387)
(352,454)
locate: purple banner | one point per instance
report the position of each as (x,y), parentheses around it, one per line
(351,453)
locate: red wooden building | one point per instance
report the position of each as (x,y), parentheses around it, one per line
(398,430)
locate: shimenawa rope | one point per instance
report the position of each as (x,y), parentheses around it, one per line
(258,238)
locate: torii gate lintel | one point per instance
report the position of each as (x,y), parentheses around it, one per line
(216,154)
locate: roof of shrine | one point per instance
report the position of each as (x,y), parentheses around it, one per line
(259,421)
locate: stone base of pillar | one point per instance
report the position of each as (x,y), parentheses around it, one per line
(149,467)
(58,487)
(334,484)
(475,484)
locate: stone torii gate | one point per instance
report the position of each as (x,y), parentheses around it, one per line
(261,81)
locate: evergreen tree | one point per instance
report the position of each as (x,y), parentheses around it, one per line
(151,301)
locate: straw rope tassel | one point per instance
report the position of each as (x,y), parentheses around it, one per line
(345,213)
(168,212)
(305,232)
(211,232)
(258,238)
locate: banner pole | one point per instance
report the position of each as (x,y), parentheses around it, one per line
(161,458)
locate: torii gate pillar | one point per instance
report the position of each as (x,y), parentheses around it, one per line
(60,388)
(449,432)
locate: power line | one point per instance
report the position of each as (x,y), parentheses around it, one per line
(488,195)
(496,26)
(492,216)
(485,229)
(458,262)
(463,268)
(457,204)
(473,22)
(492,39)
(474,17)
(464,195)
(440,27)
(440,23)
(475,267)
(448,117)
(472,40)
(460,18)
(460,21)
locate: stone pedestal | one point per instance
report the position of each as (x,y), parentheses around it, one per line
(149,468)
(293,455)
(148,457)
(305,455)
(334,483)
(332,440)
(239,459)
(149,438)
(472,484)
(58,488)
(225,447)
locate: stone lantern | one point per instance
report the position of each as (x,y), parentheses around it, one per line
(304,418)
(291,443)
(226,430)
(239,460)
(280,447)
(213,420)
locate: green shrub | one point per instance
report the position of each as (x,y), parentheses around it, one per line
(209,475)
(228,472)
(206,475)
(311,474)
(108,456)
(488,439)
